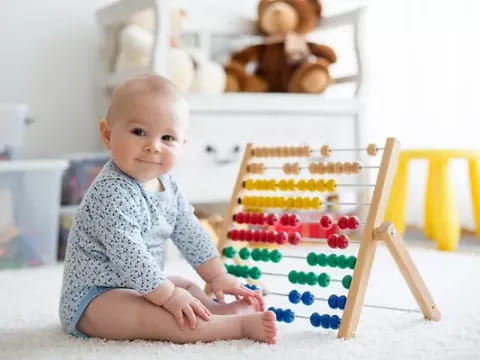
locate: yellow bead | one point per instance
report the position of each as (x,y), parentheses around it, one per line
(249,184)
(290,203)
(331,185)
(282,185)
(321,185)
(301,185)
(315,203)
(291,185)
(311,185)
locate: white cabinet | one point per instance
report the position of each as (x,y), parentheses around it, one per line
(225,123)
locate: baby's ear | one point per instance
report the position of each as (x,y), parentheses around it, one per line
(105,132)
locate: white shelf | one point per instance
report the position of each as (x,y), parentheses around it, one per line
(272,103)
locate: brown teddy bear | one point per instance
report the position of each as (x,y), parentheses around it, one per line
(285,61)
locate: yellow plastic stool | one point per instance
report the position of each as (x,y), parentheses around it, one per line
(441,216)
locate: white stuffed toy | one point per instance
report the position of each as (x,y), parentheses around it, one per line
(187,69)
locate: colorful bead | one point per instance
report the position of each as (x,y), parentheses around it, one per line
(229,252)
(333,301)
(294,238)
(288,316)
(351,262)
(308,298)
(244,254)
(255,273)
(342,300)
(322,259)
(284,219)
(272,219)
(301,278)
(275,256)
(330,185)
(323,279)
(332,260)
(347,281)
(282,237)
(342,241)
(342,261)
(326,222)
(332,240)
(342,222)
(353,223)
(265,255)
(334,322)
(294,297)
(311,278)
(256,254)
(325,321)
(315,319)
(312,259)
(293,220)
(292,277)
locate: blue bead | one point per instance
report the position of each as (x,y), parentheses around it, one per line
(333,301)
(251,286)
(325,321)
(341,302)
(279,314)
(288,316)
(315,319)
(334,322)
(308,298)
(294,297)
(271,308)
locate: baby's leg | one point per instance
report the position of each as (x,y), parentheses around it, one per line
(123,314)
(241,306)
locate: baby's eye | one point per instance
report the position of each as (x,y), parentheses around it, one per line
(138,132)
(168,138)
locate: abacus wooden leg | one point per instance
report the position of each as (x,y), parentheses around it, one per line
(392,238)
(397,203)
(474,170)
(446,221)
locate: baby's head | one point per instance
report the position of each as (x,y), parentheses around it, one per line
(145,126)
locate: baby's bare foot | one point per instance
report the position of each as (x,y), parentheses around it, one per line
(260,326)
(241,306)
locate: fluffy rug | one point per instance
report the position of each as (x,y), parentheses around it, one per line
(29,327)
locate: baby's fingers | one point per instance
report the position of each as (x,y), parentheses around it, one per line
(201,310)
(178,315)
(191,318)
(220,297)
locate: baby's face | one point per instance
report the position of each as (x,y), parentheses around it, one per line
(147,135)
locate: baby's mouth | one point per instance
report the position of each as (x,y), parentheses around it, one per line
(149,161)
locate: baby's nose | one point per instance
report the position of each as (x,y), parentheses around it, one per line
(153,147)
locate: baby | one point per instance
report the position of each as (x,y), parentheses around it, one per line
(114,286)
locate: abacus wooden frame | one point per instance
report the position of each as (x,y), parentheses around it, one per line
(375,230)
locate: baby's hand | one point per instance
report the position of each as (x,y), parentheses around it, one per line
(228,284)
(182,304)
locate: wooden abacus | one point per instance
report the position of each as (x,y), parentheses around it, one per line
(374,230)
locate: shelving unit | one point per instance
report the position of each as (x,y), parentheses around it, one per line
(231,120)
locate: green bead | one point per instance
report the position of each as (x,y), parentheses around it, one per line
(323,280)
(255,273)
(332,260)
(227,267)
(312,259)
(232,269)
(311,278)
(351,262)
(265,255)
(275,256)
(292,277)
(256,254)
(301,277)
(342,261)
(244,253)
(346,281)
(229,252)
(244,271)
(322,259)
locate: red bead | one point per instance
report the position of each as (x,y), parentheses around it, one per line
(284,219)
(282,237)
(342,222)
(271,236)
(248,235)
(332,240)
(241,235)
(256,236)
(294,238)
(293,219)
(252,219)
(272,219)
(232,234)
(247,218)
(326,222)
(239,217)
(262,235)
(353,223)
(260,218)
(342,241)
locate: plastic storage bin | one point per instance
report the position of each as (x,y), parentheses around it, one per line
(29,211)
(82,170)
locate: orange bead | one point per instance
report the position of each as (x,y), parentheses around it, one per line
(325,151)
(356,167)
(313,168)
(372,149)
(295,167)
(330,169)
(338,168)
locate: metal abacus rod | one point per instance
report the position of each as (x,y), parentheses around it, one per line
(366,305)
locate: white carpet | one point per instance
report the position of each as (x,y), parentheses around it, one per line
(29,327)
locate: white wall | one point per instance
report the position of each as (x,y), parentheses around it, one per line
(47,57)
